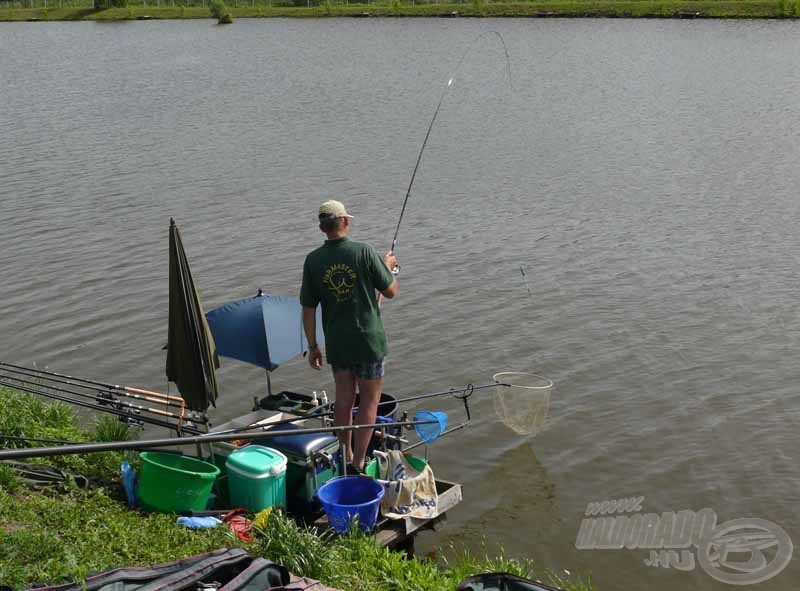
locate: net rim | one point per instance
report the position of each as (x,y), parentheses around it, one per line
(548,383)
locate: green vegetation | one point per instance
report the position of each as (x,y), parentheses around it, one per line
(170,9)
(56,535)
(220,12)
(103,4)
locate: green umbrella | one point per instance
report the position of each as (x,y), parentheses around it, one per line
(191,353)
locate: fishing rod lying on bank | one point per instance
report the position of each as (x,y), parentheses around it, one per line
(104,398)
(124,414)
(83,448)
(101,397)
(84,383)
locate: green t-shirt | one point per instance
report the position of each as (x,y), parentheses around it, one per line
(343,275)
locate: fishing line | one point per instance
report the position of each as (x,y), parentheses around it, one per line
(525,277)
(433,120)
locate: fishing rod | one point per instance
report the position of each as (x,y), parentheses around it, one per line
(433,120)
(102,397)
(49,377)
(465,392)
(101,408)
(446,432)
(81,448)
(105,385)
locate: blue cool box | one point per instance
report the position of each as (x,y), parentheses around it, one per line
(309,467)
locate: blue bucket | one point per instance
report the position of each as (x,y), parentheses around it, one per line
(348,498)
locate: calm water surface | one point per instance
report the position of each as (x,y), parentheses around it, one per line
(644,173)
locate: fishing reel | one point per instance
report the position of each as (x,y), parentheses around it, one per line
(105,398)
(131,421)
(128,416)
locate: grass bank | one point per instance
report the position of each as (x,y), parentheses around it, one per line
(57,535)
(41,10)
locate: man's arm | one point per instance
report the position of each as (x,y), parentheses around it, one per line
(390,261)
(309,299)
(310,328)
(390,291)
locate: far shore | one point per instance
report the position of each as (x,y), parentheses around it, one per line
(685,9)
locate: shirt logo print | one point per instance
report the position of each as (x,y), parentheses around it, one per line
(340,280)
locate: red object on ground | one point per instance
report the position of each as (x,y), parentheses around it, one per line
(240,524)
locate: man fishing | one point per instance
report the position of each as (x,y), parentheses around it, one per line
(345,277)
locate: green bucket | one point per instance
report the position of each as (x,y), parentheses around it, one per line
(172,483)
(371,469)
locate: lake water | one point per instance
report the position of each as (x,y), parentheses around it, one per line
(644,174)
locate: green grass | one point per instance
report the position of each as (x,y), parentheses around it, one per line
(54,536)
(28,416)
(8,479)
(110,428)
(47,538)
(473,8)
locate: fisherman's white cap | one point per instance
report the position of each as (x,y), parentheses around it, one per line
(332,209)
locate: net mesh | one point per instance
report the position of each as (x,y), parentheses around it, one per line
(432,425)
(522,401)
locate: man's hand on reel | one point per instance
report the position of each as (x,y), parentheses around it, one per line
(391,262)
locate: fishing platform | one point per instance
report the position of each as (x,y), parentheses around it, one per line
(315,459)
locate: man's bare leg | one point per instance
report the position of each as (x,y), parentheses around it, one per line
(369,395)
(343,409)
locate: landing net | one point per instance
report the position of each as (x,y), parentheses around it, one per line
(522,401)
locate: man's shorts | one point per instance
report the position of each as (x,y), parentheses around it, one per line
(363,371)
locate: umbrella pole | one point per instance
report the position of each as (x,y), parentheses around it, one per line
(210,455)
(199,447)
